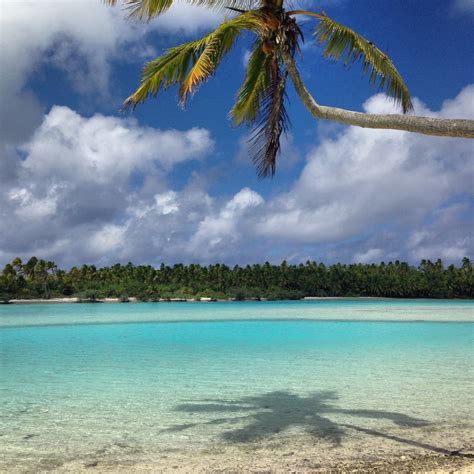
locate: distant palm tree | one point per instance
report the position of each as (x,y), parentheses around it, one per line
(261,98)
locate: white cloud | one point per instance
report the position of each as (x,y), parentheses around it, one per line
(365,178)
(78,176)
(108,239)
(447,236)
(373,255)
(101,149)
(460,107)
(244,199)
(95,189)
(30,206)
(80,30)
(79,37)
(221,233)
(166,203)
(188,19)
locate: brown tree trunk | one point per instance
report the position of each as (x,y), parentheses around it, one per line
(460,128)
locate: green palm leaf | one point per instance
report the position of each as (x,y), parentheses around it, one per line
(147,9)
(343,43)
(265,140)
(203,55)
(256,83)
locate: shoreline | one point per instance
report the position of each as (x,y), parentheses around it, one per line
(209,300)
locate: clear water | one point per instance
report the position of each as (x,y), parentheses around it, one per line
(135,385)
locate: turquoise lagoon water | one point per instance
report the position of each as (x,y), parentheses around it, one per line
(140,384)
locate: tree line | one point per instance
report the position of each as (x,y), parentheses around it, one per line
(37,278)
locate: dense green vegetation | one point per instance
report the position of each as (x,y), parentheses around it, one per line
(43,279)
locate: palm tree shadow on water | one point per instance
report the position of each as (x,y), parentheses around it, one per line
(274,412)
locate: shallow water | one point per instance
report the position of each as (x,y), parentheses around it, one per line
(328,309)
(74,390)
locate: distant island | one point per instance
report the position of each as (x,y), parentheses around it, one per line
(38,279)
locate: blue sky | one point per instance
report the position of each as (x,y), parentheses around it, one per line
(81,182)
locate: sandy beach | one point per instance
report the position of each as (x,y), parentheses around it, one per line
(284,462)
(394,450)
(195,300)
(67,300)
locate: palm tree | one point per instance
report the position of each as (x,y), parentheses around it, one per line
(261,98)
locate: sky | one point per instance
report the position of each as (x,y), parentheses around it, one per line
(83,182)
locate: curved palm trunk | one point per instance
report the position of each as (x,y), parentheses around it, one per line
(460,128)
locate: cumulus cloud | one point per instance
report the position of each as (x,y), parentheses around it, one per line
(28,206)
(219,234)
(84,30)
(79,37)
(105,149)
(95,189)
(109,238)
(365,178)
(85,177)
(371,255)
(449,235)
(188,19)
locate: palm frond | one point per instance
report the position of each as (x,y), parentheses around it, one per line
(147,9)
(256,83)
(201,56)
(265,140)
(210,56)
(343,43)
